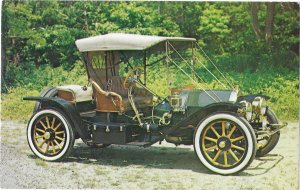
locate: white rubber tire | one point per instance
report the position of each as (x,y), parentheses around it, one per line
(69,136)
(249,135)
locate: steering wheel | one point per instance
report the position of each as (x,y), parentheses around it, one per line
(132,76)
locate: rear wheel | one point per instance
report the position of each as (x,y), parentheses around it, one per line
(225,143)
(50,135)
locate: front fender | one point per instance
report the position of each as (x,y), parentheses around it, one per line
(221,106)
(250,97)
(194,115)
(68,108)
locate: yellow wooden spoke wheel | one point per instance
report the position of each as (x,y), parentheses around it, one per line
(50,135)
(225,143)
(223,148)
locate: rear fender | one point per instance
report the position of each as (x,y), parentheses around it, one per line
(49,92)
(69,109)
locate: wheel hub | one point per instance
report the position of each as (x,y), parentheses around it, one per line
(224,143)
(47,135)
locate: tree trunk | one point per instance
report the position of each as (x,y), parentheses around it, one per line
(3,48)
(159,7)
(3,64)
(269,22)
(255,23)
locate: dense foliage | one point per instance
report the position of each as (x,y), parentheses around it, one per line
(255,44)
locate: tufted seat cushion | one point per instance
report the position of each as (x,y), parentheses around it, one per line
(75,93)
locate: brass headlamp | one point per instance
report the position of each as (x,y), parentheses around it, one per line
(247,109)
(259,105)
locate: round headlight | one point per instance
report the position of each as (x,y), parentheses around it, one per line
(263,107)
(259,105)
(247,109)
(256,104)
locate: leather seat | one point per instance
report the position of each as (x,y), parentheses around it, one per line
(75,93)
(141,97)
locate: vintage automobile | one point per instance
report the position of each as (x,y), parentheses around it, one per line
(118,107)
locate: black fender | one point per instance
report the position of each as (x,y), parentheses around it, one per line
(218,107)
(194,117)
(69,109)
(250,97)
(48,92)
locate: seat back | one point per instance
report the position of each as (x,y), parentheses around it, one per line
(106,101)
(116,85)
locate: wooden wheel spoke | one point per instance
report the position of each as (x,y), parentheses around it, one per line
(211,148)
(53,147)
(47,120)
(38,136)
(217,155)
(43,124)
(57,144)
(233,155)
(231,131)
(237,139)
(59,132)
(225,159)
(57,127)
(47,147)
(237,147)
(59,138)
(42,144)
(223,128)
(40,130)
(53,121)
(215,132)
(211,139)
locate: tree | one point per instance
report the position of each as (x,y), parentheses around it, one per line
(269,21)
(214,27)
(255,22)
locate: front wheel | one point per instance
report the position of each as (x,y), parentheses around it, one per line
(50,135)
(225,143)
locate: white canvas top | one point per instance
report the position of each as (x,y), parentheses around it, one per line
(121,41)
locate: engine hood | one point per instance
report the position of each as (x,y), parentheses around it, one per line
(200,98)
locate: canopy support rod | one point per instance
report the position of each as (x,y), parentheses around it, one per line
(202,64)
(230,84)
(167,67)
(145,64)
(191,67)
(211,73)
(191,78)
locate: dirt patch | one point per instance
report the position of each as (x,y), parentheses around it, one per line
(128,167)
